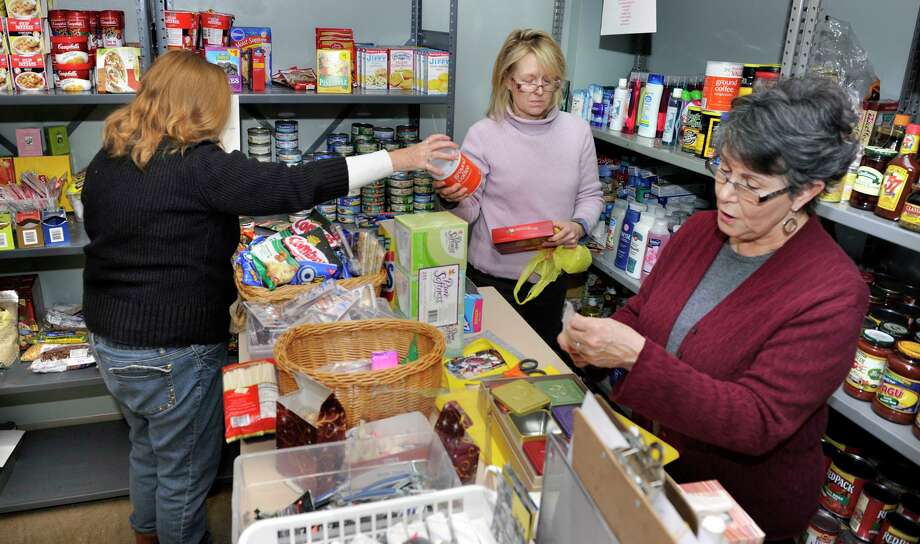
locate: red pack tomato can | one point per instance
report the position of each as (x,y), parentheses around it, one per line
(845,479)
(823,528)
(181,29)
(112,28)
(898,529)
(57,20)
(215,29)
(872,507)
(910,506)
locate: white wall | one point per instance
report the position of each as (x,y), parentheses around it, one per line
(594,58)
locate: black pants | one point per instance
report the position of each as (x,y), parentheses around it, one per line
(543,314)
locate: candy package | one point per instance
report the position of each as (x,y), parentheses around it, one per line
(471,366)
(279,267)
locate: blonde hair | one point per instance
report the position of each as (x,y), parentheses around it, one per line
(183,99)
(518,45)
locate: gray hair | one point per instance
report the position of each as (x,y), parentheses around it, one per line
(801,129)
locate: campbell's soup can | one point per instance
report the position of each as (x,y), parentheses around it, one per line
(112,27)
(874,504)
(181,29)
(898,529)
(79,23)
(845,479)
(461,171)
(822,529)
(215,29)
(57,20)
(720,87)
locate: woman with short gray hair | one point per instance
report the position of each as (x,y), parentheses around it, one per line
(749,320)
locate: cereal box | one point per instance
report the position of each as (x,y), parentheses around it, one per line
(375,69)
(26,37)
(333,71)
(25,9)
(228,58)
(437,72)
(118,70)
(401,68)
(247,38)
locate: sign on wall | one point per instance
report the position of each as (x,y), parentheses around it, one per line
(629,17)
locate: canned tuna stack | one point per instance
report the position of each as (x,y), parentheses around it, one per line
(348,209)
(423,189)
(328,209)
(406,135)
(287,142)
(259,140)
(334,140)
(400,189)
(373,202)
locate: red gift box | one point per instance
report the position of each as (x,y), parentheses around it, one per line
(519,238)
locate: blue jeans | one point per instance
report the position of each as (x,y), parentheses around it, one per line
(172,399)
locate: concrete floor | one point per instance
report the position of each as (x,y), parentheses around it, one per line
(98,522)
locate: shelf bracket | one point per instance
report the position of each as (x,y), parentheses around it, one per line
(416,22)
(800,33)
(558,19)
(257,114)
(81,116)
(8,145)
(321,140)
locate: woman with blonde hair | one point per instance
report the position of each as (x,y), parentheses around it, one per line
(162,201)
(537,164)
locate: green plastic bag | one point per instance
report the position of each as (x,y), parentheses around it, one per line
(548,264)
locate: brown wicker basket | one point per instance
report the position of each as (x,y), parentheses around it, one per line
(366,396)
(288,292)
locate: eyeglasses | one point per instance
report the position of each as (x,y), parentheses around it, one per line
(746,193)
(531,87)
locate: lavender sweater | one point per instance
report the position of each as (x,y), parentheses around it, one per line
(532,171)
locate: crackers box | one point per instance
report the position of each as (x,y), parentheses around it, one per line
(401,68)
(228,58)
(118,70)
(333,71)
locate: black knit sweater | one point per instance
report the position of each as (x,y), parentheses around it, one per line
(158,270)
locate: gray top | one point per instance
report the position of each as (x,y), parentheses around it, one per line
(727,272)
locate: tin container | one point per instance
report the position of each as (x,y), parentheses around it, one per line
(287,136)
(288,155)
(844,483)
(260,149)
(363,148)
(423,189)
(327,208)
(345,150)
(345,211)
(402,208)
(261,158)
(389,145)
(423,206)
(286,144)
(396,191)
(285,126)
(324,156)
(423,199)
(215,29)
(898,529)
(720,87)
(539,423)
(400,184)
(401,176)
(822,529)
(373,210)
(349,201)
(384,133)
(362,129)
(711,122)
(692,137)
(366,222)
(338,138)
(873,505)
(347,219)
(402,199)
(259,135)
(406,133)
(112,26)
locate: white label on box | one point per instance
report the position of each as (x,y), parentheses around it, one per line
(29,237)
(439,295)
(454,242)
(4,240)
(56,235)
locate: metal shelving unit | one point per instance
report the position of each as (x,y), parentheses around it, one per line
(869,223)
(898,437)
(57,97)
(18,379)
(284,95)
(78,240)
(653,149)
(604,260)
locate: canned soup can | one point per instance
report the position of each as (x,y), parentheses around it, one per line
(844,482)
(823,528)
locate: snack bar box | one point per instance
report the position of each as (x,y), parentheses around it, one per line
(520,238)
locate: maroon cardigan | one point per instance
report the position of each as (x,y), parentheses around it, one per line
(744,400)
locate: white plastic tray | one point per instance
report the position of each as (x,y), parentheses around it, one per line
(343,524)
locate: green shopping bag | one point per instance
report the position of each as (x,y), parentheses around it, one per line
(548,264)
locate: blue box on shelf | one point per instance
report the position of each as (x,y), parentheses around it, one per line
(55,227)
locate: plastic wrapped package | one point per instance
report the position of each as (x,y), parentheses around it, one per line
(837,54)
(9,327)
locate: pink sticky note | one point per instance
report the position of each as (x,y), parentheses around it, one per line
(381,360)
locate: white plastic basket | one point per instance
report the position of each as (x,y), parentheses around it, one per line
(341,525)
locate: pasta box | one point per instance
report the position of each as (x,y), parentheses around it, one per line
(228,59)
(118,70)
(520,238)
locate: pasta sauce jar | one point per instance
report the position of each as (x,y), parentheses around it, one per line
(844,483)
(869,364)
(898,394)
(869,177)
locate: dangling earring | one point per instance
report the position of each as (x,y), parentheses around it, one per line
(791,225)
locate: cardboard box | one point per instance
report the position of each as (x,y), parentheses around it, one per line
(7,173)
(26,9)
(57,139)
(228,58)
(374,69)
(248,38)
(333,71)
(401,68)
(118,70)
(7,239)
(431,239)
(30,74)
(520,238)
(472,313)
(6,74)
(436,70)
(387,229)
(55,228)
(27,37)
(29,229)
(50,167)
(666,188)
(740,528)
(29,142)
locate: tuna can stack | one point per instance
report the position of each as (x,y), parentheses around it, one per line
(259,141)
(287,142)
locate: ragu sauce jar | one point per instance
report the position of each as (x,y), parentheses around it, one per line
(865,375)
